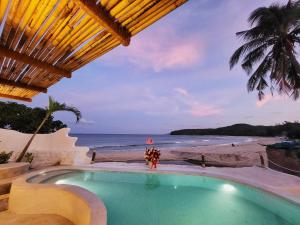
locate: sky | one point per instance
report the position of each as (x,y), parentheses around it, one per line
(174,75)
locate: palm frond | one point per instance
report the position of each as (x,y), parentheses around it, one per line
(257,79)
(258,32)
(234,59)
(264,15)
(245,48)
(296,94)
(55,106)
(254,56)
(275,29)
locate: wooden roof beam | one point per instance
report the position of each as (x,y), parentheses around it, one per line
(5,52)
(15,97)
(103,17)
(22,85)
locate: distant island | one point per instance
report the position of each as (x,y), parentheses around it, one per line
(287,129)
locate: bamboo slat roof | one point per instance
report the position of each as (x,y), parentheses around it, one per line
(43,41)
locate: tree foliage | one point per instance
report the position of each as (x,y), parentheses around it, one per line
(24,119)
(270,49)
(288,129)
(53,106)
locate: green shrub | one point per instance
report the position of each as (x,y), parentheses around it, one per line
(4,157)
(28,157)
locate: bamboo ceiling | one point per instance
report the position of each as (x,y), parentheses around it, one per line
(43,41)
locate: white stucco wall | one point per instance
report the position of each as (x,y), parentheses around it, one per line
(48,149)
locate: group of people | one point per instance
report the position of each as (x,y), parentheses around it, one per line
(152,157)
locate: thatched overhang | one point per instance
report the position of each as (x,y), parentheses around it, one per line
(43,41)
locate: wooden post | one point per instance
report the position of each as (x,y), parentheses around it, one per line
(93,156)
(202,161)
(262,161)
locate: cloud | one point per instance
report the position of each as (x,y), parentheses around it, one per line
(268,98)
(181,91)
(193,106)
(200,110)
(140,99)
(160,49)
(265,100)
(86,121)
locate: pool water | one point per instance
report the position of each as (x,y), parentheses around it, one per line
(160,199)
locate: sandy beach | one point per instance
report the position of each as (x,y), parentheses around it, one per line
(245,154)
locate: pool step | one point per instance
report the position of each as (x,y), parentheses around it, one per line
(5,185)
(4,202)
(8,173)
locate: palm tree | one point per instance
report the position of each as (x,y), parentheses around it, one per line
(270,49)
(52,107)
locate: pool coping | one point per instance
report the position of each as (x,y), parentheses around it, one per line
(184,170)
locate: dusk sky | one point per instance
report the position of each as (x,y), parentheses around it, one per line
(174,75)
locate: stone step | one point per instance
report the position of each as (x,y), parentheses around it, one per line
(9,170)
(5,185)
(4,202)
(32,219)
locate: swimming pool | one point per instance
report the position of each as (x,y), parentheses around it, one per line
(169,199)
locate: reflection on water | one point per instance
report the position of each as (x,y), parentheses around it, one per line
(152,182)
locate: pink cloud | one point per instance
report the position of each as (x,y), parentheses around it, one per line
(265,100)
(181,91)
(161,49)
(198,110)
(175,102)
(268,98)
(193,106)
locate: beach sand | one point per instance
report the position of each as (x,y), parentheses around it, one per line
(245,154)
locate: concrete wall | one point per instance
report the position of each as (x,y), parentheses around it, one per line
(48,149)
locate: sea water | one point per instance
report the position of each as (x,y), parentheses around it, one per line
(119,142)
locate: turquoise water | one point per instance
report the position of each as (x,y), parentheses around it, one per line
(158,199)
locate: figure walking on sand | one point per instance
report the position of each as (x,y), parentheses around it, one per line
(152,154)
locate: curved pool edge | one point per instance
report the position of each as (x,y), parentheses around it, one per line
(281,192)
(35,198)
(285,192)
(96,205)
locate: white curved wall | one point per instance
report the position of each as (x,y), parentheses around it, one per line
(48,149)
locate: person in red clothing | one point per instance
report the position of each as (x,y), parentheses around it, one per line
(147,155)
(154,158)
(151,154)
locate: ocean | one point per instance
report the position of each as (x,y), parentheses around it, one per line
(121,142)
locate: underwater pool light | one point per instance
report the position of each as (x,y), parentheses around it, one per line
(59,182)
(228,188)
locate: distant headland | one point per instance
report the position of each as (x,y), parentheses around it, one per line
(288,129)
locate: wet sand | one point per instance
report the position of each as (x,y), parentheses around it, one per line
(246,154)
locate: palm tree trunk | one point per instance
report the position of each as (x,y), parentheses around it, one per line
(20,157)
